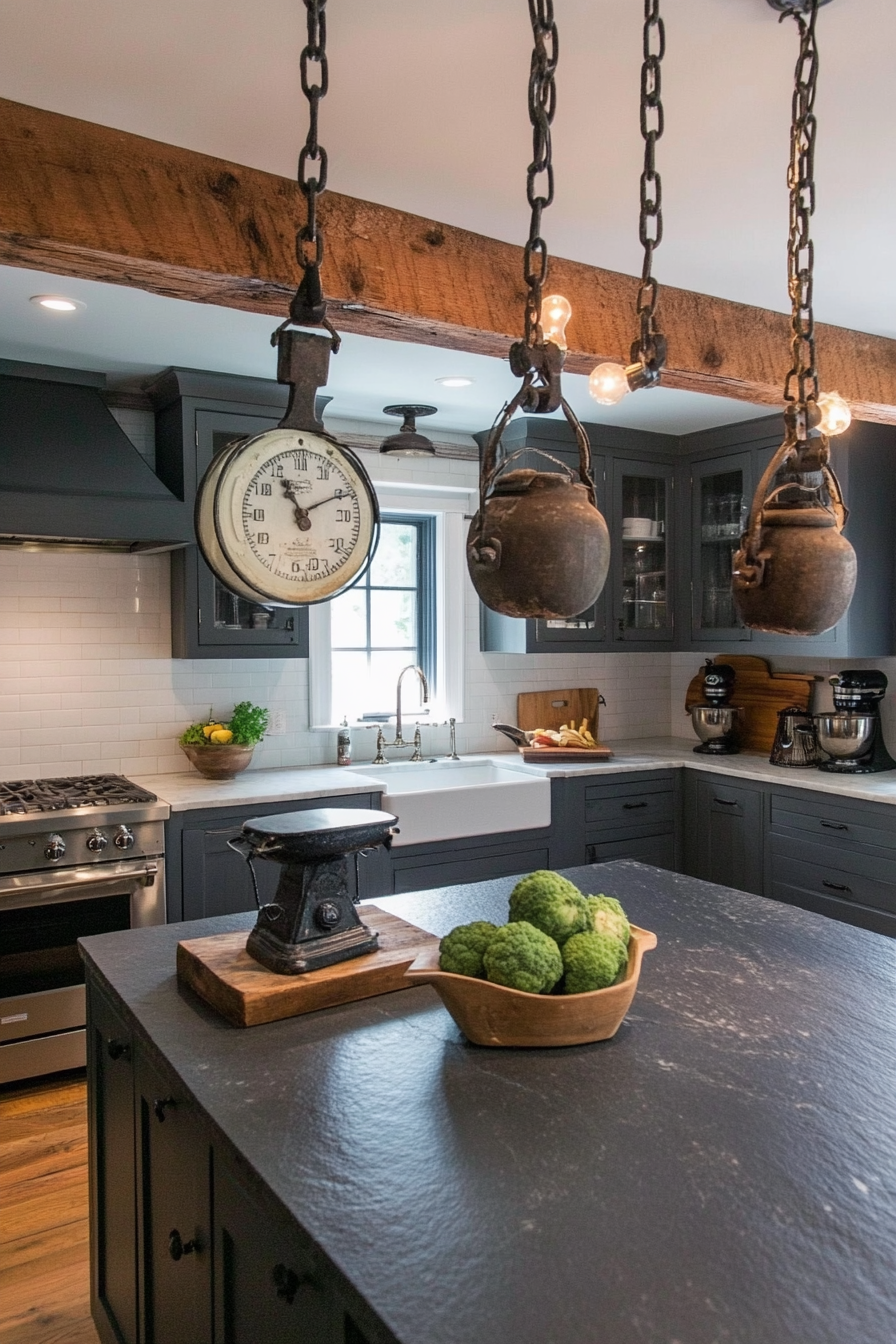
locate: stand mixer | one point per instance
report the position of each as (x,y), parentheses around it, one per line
(852,737)
(715,721)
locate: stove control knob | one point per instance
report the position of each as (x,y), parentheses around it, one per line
(97,842)
(124,839)
(55,848)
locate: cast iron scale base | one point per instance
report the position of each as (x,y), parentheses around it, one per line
(312,921)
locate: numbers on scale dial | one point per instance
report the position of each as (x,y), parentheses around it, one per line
(310,520)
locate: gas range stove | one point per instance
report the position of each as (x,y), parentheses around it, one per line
(87,819)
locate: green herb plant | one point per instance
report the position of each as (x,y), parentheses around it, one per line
(247,726)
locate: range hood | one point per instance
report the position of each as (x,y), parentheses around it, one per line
(69,475)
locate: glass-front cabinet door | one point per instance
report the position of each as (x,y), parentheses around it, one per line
(720,500)
(642,542)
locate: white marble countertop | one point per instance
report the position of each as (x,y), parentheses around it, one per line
(189,791)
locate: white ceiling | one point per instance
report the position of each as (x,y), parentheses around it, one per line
(427,112)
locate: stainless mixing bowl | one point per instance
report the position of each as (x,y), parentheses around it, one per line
(713,721)
(845,735)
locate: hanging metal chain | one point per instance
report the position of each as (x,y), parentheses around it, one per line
(801,181)
(308,306)
(542,106)
(651,220)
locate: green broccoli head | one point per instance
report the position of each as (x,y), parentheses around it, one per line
(606,915)
(550,902)
(522,957)
(592,961)
(460,951)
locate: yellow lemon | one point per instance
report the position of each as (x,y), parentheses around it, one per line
(210,728)
(222,735)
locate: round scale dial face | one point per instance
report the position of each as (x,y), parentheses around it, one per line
(295,515)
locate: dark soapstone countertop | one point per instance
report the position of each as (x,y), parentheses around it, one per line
(722,1172)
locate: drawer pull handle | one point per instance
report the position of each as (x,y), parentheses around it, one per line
(726,802)
(837,886)
(118,1049)
(177,1248)
(834,826)
(159,1106)
(287,1283)
(630,807)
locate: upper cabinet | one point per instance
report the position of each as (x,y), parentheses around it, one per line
(634,479)
(197,415)
(676,508)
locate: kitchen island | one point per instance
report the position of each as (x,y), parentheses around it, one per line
(722,1172)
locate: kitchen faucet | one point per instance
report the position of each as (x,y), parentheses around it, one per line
(399,741)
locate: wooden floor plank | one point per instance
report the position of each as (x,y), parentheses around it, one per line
(44,1234)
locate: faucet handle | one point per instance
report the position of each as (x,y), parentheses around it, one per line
(452,754)
(418,754)
(379,758)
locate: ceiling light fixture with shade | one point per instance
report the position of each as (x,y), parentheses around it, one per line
(407,442)
(538,545)
(610,382)
(795,573)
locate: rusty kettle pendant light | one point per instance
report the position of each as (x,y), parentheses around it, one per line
(795,572)
(538,546)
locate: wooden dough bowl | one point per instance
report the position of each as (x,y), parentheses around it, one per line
(490,1014)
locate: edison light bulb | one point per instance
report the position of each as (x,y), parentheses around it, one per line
(608,384)
(835,413)
(555,313)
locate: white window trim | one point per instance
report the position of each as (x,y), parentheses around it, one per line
(448,505)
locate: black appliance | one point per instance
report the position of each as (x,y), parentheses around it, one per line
(715,720)
(78,856)
(312,921)
(852,737)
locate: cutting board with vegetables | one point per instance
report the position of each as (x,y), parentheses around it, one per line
(220,970)
(553,710)
(761,693)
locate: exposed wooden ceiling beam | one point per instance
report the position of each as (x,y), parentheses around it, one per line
(83,200)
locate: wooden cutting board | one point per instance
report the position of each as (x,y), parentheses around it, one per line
(548,709)
(761,693)
(564,755)
(221,971)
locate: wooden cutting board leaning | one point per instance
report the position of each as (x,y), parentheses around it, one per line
(552,709)
(761,693)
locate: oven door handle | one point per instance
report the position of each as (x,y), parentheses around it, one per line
(73,883)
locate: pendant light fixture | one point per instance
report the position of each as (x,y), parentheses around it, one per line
(795,572)
(407,442)
(610,382)
(538,546)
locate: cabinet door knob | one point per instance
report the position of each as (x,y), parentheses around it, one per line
(177,1248)
(118,1049)
(287,1283)
(160,1105)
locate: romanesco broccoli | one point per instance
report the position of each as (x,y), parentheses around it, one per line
(552,903)
(522,957)
(592,961)
(460,951)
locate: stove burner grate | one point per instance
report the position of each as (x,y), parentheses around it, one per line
(53,795)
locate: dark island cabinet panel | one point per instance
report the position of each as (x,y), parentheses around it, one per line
(113,1209)
(173,1223)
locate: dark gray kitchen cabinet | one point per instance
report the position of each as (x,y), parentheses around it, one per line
(626,816)
(724,831)
(268,1283)
(835,856)
(205,876)
(174,1211)
(113,1174)
(197,415)
(473,858)
(633,473)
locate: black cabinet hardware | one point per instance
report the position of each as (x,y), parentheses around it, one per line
(726,802)
(160,1104)
(834,826)
(287,1283)
(177,1248)
(630,807)
(837,886)
(118,1049)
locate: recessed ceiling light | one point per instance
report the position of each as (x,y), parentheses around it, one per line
(57,303)
(455,382)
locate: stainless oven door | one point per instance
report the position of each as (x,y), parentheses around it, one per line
(42,916)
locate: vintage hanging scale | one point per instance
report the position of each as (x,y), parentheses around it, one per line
(290,516)
(538,545)
(795,572)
